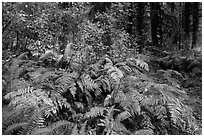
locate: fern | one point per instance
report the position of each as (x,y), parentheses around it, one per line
(120,129)
(58,102)
(13,127)
(105,83)
(35,121)
(161,100)
(89,83)
(124,67)
(83,128)
(123,115)
(169,76)
(128,102)
(144,132)
(75,130)
(47,76)
(138,63)
(67,81)
(108,100)
(27,97)
(113,71)
(38,99)
(51,128)
(95,112)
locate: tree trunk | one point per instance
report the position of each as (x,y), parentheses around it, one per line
(140,26)
(155,22)
(186,18)
(130,19)
(186,23)
(195,14)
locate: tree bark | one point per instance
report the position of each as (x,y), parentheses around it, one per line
(154,22)
(195,23)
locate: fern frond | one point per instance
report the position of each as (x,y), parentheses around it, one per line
(68,52)
(95,111)
(47,75)
(169,76)
(115,73)
(19,84)
(124,67)
(75,130)
(108,100)
(28,97)
(161,100)
(73,89)
(89,83)
(120,97)
(144,132)
(105,83)
(83,128)
(13,127)
(58,102)
(36,120)
(120,129)
(80,84)
(8,115)
(123,115)
(67,81)
(138,63)
(79,105)
(20,92)
(108,62)
(51,128)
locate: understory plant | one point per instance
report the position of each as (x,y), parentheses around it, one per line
(104,97)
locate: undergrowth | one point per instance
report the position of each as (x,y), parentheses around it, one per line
(104,97)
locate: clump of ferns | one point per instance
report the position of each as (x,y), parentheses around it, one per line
(167,104)
(161,104)
(132,116)
(101,120)
(42,105)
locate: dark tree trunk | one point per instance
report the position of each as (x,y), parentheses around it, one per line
(160,25)
(180,22)
(172,6)
(195,13)
(155,21)
(140,25)
(186,22)
(186,18)
(130,19)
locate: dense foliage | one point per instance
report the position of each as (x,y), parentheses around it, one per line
(100,68)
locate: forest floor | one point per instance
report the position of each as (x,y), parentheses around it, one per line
(192,85)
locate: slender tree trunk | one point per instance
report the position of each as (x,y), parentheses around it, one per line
(140,25)
(154,23)
(130,18)
(160,27)
(186,23)
(195,14)
(180,20)
(187,20)
(172,6)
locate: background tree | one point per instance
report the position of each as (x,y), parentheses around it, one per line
(187,20)
(195,13)
(156,22)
